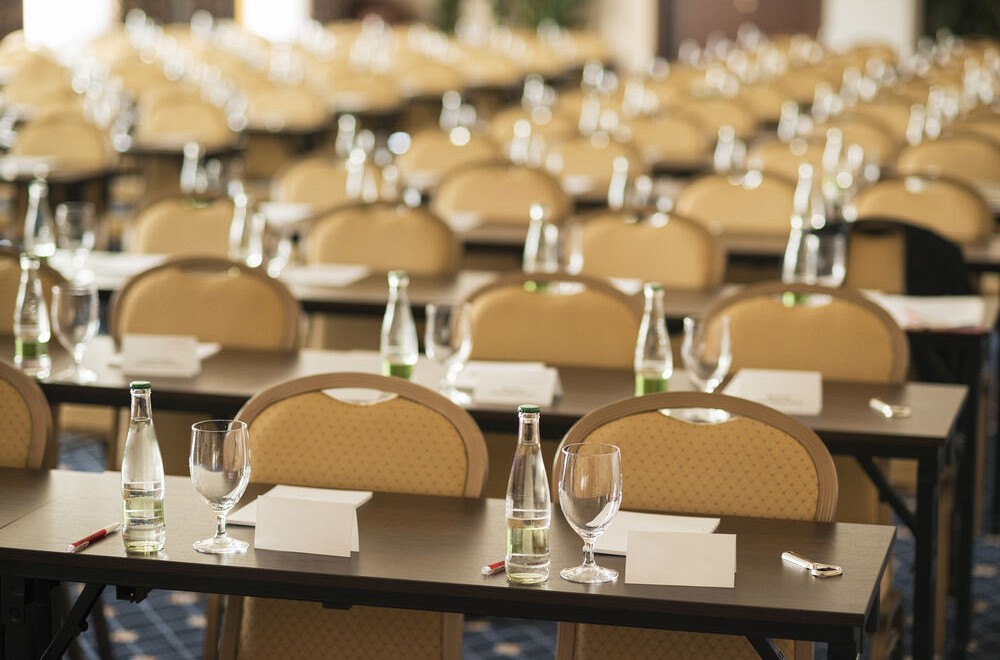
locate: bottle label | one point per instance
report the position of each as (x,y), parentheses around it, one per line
(649,385)
(397,369)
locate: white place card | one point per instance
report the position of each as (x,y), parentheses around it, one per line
(246,515)
(791,392)
(615,538)
(933,312)
(511,383)
(296,524)
(337,275)
(681,559)
(160,355)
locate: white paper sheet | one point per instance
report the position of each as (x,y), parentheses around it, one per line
(933,312)
(510,382)
(295,524)
(160,355)
(681,559)
(615,538)
(791,392)
(247,514)
(325,274)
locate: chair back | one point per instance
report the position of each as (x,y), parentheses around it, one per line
(216,300)
(10,282)
(434,153)
(179,119)
(838,332)
(714,113)
(411,440)
(26,434)
(877,140)
(315,180)
(759,463)
(562,320)
(965,157)
(781,159)
(180,227)
(671,142)
(499,194)
(670,249)
(752,204)
(585,166)
(384,237)
(285,107)
(73,142)
(951,208)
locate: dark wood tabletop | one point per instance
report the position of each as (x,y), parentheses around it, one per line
(425,552)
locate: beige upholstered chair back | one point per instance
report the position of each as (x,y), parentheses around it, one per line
(752,204)
(760,463)
(384,237)
(585,165)
(949,207)
(180,227)
(412,441)
(557,319)
(216,300)
(434,153)
(26,432)
(10,281)
(965,157)
(315,180)
(671,142)
(837,332)
(499,194)
(714,113)
(876,261)
(35,78)
(74,143)
(180,119)
(285,107)
(776,157)
(677,252)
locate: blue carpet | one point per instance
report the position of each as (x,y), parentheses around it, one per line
(170,625)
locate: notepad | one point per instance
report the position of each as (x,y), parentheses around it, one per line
(615,538)
(247,515)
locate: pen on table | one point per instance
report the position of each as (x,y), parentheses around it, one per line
(76,546)
(494,568)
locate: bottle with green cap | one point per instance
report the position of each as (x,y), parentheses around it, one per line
(398,345)
(654,362)
(529,508)
(144,530)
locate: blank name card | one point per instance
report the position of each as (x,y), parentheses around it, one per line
(681,559)
(296,524)
(791,392)
(513,383)
(160,355)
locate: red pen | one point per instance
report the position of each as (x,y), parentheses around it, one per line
(494,568)
(77,546)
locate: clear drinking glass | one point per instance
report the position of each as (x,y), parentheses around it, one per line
(448,342)
(220,470)
(75,319)
(76,225)
(590,492)
(706,362)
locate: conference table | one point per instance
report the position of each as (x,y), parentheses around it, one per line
(846,424)
(425,552)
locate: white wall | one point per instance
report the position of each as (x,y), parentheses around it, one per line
(629,27)
(894,21)
(66,25)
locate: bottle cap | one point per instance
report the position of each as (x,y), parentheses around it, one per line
(139,385)
(528,409)
(653,286)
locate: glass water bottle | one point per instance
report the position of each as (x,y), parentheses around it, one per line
(529,508)
(144,530)
(398,345)
(39,226)
(31,322)
(654,361)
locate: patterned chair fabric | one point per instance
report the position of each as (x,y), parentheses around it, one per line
(26,433)
(760,463)
(177,226)
(413,441)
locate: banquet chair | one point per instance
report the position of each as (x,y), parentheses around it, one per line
(879,144)
(499,193)
(382,236)
(841,334)
(180,227)
(178,118)
(214,300)
(72,142)
(966,157)
(671,143)
(412,440)
(434,153)
(563,320)
(280,116)
(759,463)
(951,208)
(714,113)
(776,157)
(752,203)
(585,165)
(670,249)
(315,180)
(26,437)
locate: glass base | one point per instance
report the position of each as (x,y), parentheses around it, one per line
(589,574)
(220,545)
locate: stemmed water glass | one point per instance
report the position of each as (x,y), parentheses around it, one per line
(590,492)
(448,342)
(706,362)
(220,470)
(75,321)
(76,229)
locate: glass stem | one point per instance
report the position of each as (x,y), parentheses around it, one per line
(588,553)
(220,525)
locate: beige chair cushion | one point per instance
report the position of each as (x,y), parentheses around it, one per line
(677,252)
(967,158)
(671,142)
(180,227)
(181,119)
(752,204)
(26,432)
(499,194)
(433,154)
(73,143)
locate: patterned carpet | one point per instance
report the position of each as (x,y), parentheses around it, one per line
(170,625)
